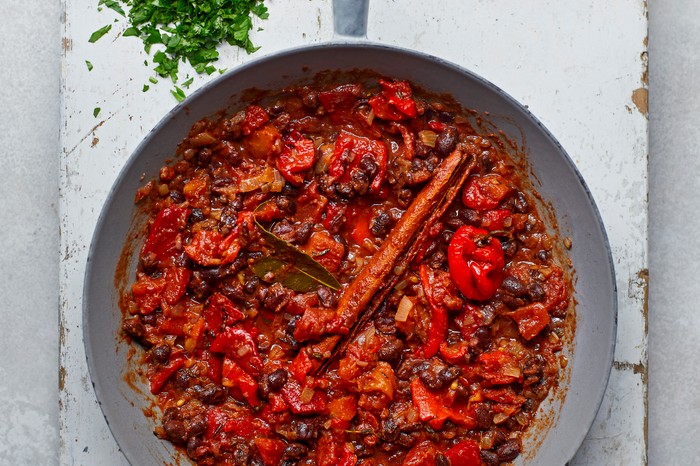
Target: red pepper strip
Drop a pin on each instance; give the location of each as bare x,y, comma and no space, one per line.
433,410
220,309
340,98
292,395
351,147
347,455
234,376
422,454
531,319
455,354
255,117
298,156
438,317
333,216
164,235
358,217
270,450
465,453
342,410
214,365
301,366
238,344
147,292
499,367
394,103
484,192
158,379
476,269
204,248
176,280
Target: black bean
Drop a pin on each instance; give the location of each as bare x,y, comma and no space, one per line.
344,189
277,295
175,430
277,379
508,451
295,451
305,430
380,224
150,319
196,215
450,373
134,327
204,156
303,232
177,197
286,204
197,425
521,203
326,297
251,283
489,458
182,378
446,236
390,430
513,286
359,182
431,379
161,353
441,460
211,394
369,166
405,197
241,454
193,444
483,417
446,140
536,291
390,350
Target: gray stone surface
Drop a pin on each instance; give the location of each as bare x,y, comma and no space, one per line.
29,118
674,255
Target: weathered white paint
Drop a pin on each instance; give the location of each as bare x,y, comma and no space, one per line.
574,64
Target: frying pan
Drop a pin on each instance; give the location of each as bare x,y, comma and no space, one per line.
564,419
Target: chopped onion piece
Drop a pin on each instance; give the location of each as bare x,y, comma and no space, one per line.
499,417
404,309
427,137
306,394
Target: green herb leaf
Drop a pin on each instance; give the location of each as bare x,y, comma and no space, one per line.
89,65
96,111
145,88
189,31
114,5
178,93
291,267
95,36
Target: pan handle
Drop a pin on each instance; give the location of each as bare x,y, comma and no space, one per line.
350,18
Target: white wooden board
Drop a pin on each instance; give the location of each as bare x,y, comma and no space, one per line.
579,66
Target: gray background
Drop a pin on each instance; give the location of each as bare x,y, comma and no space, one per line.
29,144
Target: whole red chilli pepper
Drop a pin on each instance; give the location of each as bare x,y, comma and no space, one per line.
476,262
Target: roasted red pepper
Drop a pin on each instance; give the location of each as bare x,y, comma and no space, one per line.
293,393
499,367
531,319
147,292
164,237
476,262
298,156
176,280
394,102
435,409
232,375
255,117
341,97
238,344
270,450
220,309
485,192
301,366
495,219
465,453
158,379
438,316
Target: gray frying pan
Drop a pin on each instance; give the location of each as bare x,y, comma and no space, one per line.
564,419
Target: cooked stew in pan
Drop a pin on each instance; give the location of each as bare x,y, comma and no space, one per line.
346,274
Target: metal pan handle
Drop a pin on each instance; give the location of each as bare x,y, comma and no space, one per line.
350,18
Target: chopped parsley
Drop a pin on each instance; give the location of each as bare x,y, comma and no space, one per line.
96,111
88,64
95,36
178,93
188,31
